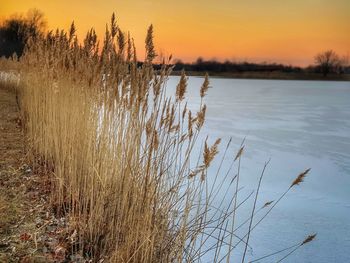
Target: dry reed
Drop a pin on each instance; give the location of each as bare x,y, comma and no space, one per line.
120,152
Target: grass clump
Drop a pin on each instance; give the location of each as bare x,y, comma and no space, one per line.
120,152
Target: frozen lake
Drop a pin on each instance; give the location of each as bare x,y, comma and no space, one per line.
298,124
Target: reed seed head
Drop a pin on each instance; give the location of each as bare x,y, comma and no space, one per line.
205,86
300,178
308,239
239,154
181,87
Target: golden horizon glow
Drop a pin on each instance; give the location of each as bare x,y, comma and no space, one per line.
289,32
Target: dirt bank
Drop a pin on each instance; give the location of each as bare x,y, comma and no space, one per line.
29,232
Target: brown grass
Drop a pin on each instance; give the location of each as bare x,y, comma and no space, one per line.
120,152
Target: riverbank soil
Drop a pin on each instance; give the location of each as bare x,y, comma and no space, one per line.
29,232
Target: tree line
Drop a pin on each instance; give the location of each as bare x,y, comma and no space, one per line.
325,63
229,66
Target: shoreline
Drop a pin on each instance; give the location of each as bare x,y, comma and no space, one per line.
267,75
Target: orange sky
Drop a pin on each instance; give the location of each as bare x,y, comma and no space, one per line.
288,31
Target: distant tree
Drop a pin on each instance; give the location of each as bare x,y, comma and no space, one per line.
327,62
199,60
344,64
16,30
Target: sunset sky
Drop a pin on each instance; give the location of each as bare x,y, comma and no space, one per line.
287,31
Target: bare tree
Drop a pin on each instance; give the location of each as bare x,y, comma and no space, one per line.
327,61
16,30
36,22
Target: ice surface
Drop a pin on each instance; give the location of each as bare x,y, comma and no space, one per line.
298,124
